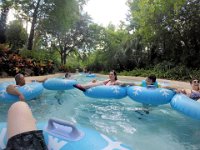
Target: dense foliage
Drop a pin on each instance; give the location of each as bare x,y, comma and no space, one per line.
16,35
160,37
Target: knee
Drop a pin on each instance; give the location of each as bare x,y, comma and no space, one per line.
18,107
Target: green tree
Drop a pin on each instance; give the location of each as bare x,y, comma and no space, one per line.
69,29
5,6
34,10
16,35
169,30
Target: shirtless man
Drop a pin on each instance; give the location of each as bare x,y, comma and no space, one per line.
20,81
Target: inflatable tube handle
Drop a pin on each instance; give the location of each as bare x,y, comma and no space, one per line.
64,130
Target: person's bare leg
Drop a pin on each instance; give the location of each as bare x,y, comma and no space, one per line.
87,86
91,84
20,119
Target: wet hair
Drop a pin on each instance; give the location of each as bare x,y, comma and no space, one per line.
152,78
66,74
193,80
115,74
17,78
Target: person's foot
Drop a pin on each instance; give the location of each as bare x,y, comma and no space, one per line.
146,111
78,86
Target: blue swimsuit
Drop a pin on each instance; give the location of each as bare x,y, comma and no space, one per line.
195,95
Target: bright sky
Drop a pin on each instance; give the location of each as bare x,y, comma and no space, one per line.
10,15
102,11
106,11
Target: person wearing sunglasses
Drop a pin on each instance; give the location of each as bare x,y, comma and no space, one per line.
194,92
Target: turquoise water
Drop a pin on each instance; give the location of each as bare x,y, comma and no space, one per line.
124,119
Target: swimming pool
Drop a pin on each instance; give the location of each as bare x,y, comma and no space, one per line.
161,129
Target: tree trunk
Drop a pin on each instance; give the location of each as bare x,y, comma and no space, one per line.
62,60
3,19
65,59
31,36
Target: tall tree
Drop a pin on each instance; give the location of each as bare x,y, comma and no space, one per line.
5,7
78,37
164,30
35,10
40,9
36,7
69,29
16,35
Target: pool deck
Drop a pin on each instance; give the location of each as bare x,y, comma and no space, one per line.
173,83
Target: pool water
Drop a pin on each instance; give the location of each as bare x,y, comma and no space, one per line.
161,129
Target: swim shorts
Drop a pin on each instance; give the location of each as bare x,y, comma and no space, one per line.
32,140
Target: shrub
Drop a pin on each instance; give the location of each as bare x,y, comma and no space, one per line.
175,73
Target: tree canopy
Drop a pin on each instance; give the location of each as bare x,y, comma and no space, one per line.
158,33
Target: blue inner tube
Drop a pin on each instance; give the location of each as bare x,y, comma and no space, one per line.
59,84
186,106
3,85
60,135
107,92
30,91
153,96
90,75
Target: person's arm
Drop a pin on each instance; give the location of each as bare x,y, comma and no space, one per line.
177,90
187,92
40,80
130,84
93,84
124,83
169,87
11,89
